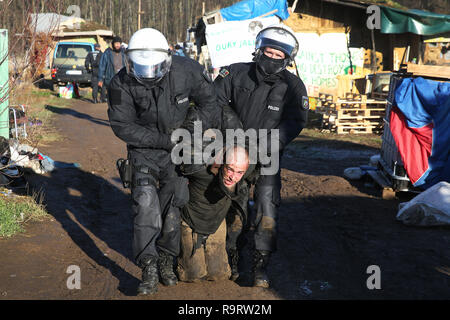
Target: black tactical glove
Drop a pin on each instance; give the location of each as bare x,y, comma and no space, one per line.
230,120
191,116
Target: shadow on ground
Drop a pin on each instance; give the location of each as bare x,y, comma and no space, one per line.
326,244
74,113
84,203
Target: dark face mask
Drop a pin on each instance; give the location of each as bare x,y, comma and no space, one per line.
270,66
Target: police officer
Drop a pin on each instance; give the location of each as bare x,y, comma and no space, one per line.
149,99
265,96
92,63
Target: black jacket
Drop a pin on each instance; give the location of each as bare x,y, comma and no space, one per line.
210,200
279,102
145,117
92,62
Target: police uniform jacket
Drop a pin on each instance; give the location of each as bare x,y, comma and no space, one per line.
144,117
276,102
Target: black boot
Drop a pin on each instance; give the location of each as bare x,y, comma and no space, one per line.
260,261
168,277
149,284
233,260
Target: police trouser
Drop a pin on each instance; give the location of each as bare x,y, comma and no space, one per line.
94,85
267,200
156,211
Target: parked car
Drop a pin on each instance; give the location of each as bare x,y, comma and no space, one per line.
68,63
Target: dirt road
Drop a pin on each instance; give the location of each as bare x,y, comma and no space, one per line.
330,230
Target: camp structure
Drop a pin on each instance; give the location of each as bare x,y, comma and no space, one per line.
47,29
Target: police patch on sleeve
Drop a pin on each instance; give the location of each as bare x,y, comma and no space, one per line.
305,103
224,72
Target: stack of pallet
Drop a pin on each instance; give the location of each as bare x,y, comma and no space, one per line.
353,114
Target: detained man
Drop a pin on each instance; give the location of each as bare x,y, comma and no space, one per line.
213,190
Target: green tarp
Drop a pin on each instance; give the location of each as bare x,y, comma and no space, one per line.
414,21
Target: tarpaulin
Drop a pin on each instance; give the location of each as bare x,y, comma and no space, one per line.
414,21
420,125
249,9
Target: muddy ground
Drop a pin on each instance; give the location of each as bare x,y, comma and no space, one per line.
330,229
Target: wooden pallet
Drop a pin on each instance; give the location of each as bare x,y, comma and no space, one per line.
331,120
429,71
380,95
375,113
353,121
323,106
353,129
354,114
355,97
327,97
368,104
351,101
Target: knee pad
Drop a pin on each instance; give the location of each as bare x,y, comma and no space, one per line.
146,208
145,196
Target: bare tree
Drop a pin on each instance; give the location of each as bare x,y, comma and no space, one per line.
27,49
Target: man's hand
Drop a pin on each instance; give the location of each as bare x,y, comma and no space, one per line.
100,84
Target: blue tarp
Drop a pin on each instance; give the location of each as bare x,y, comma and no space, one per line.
249,9
425,105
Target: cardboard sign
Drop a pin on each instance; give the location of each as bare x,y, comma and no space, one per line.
234,41
323,57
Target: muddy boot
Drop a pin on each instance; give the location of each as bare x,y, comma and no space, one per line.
168,277
261,259
233,259
149,284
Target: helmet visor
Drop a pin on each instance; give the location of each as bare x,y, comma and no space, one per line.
145,64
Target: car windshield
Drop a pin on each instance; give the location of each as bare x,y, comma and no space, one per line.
76,51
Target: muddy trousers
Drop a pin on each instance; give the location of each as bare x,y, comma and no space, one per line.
264,220
209,262
156,218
